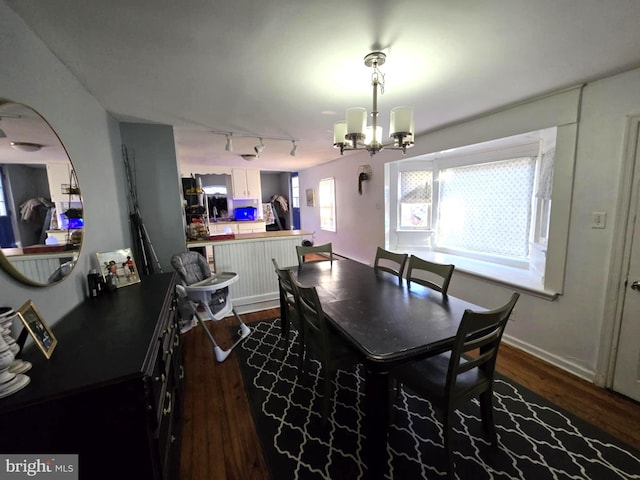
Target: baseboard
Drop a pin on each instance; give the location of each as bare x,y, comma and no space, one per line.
578,371
256,303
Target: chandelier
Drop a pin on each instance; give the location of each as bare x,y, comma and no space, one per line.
355,134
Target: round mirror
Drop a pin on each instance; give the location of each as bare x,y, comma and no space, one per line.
41,214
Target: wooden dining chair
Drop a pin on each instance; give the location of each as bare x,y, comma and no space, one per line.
390,262
429,274
321,340
452,379
290,315
322,253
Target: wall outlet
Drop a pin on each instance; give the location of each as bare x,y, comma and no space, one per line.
598,220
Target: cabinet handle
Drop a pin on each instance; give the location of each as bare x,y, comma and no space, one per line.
160,378
167,411
173,438
176,341
181,376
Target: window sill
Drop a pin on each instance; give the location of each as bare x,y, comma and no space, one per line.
520,279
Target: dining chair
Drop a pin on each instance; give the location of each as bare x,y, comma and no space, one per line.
290,315
429,274
321,340
451,379
390,262
323,253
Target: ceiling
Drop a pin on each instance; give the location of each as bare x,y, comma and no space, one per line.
290,68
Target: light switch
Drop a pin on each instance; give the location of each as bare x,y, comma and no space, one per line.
598,220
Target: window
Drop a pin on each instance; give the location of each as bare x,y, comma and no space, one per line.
415,199
327,199
295,192
485,208
3,203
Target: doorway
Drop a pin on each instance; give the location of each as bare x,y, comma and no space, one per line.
626,354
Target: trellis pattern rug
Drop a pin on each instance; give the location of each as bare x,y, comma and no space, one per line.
537,440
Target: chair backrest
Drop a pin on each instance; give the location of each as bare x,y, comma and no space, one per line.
434,275
480,331
312,316
390,262
283,278
192,267
325,253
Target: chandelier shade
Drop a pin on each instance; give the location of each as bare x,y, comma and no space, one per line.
355,134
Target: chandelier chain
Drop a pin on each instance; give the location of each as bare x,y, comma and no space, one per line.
377,78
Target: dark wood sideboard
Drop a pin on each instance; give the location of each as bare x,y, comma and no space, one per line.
112,390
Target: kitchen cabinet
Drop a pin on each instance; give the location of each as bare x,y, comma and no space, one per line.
245,183
237,227
112,390
61,179
251,227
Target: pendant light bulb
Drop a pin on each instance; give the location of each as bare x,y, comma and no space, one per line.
294,150
229,146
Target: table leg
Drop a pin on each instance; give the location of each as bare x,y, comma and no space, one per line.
376,423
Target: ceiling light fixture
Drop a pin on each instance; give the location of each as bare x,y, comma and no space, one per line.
355,134
259,148
26,146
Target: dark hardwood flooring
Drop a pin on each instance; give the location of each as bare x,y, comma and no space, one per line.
219,440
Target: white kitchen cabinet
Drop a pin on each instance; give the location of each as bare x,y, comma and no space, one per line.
237,227
251,227
245,183
223,227
59,175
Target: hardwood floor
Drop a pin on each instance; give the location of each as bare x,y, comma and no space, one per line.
218,434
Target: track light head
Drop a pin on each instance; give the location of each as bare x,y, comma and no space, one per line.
259,148
229,146
294,150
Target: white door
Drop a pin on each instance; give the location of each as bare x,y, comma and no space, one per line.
626,378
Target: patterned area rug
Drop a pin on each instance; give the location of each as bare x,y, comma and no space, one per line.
538,441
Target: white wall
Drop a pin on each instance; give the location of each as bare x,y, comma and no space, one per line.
33,76
566,331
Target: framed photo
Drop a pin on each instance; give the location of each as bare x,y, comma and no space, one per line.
37,328
311,200
119,266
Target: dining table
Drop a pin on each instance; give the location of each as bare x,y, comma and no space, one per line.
388,324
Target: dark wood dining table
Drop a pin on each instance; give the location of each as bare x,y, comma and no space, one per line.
389,325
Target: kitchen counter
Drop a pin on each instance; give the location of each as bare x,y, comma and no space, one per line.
247,236
249,255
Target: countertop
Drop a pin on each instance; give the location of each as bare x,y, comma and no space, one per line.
248,236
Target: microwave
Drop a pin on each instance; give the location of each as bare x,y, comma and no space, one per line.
245,213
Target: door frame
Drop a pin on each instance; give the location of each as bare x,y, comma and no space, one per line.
620,255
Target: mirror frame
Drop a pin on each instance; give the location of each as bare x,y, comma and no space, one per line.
5,263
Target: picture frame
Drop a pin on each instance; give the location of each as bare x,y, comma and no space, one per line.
38,329
120,266
311,199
